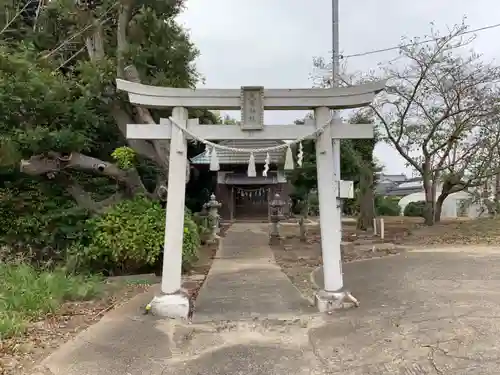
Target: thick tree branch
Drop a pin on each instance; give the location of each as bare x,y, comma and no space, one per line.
124,16
95,49
162,148
85,200
142,147
130,73
53,162
157,151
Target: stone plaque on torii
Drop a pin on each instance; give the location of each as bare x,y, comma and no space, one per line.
252,101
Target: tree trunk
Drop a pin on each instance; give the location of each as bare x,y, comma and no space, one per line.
439,206
497,188
303,229
302,221
429,190
366,202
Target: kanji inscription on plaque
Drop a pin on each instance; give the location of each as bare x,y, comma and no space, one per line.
252,108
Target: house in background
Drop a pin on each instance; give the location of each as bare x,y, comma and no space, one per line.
386,182
460,204
244,197
397,185
407,187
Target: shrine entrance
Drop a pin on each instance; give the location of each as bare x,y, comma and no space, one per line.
252,101
251,201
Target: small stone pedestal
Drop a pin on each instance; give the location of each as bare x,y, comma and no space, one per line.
331,301
176,305
275,217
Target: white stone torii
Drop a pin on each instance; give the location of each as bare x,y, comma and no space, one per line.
252,101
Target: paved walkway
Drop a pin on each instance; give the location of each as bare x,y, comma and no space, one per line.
423,313
245,282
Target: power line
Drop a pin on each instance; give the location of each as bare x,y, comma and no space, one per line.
412,44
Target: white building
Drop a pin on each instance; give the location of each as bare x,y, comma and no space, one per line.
455,205
461,204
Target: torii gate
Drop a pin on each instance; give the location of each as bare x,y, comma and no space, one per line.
252,101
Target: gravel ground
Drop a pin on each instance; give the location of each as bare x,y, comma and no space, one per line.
298,259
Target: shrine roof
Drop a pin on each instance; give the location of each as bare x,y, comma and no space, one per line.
228,157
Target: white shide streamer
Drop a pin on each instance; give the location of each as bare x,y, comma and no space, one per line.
289,164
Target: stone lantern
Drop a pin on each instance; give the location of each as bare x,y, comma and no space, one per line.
213,216
277,206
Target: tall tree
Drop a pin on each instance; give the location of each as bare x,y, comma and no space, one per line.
356,164
62,117
360,153
441,114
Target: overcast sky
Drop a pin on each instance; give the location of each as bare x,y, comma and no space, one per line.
272,43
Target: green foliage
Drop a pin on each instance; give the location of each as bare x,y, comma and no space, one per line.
129,236
190,242
37,219
28,294
54,98
124,157
57,99
161,49
415,209
304,179
356,159
202,223
313,204
42,110
387,206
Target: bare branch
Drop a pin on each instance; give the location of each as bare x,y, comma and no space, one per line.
396,144
11,21
440,112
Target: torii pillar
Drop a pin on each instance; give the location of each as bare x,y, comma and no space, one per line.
252,101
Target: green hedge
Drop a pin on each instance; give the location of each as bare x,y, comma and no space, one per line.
130,236
387,206
415,209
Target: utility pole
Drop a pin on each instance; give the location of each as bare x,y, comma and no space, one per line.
335,80
336,118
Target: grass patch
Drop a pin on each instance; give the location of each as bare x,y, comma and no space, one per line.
28,294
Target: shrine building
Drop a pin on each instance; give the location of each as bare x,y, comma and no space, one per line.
245,197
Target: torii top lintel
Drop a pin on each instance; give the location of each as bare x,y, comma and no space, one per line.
230,99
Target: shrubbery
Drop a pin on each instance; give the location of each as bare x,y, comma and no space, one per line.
37,221
313,204
387,206
203,225
307,202
191,240
415,209
128,237
42,225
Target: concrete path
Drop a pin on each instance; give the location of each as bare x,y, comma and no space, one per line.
423,313
429,311
245,282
